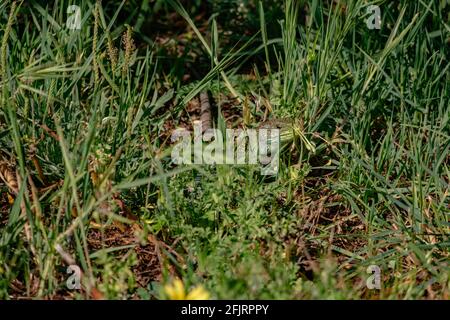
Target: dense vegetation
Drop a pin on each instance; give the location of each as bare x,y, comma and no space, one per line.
87,177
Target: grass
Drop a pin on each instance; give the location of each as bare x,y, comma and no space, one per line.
87,178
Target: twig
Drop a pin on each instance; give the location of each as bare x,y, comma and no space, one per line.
205,115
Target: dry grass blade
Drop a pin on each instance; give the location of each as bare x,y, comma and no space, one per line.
8,175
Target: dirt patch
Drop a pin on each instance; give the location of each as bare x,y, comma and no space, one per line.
327,227
4,208
148,267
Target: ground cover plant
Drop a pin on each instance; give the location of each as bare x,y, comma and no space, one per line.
93,206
